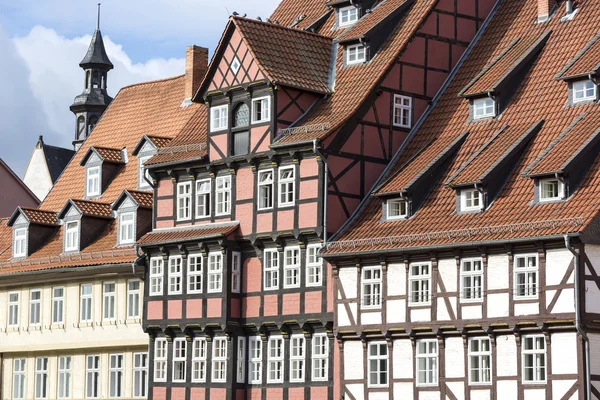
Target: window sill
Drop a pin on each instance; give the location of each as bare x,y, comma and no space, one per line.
12,329
33,328
287,205
57,326
85,324
371,308
427,385
419,305
471,301
133,321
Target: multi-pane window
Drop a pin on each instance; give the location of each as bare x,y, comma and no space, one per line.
291,267
64,377
41,378
236,269
255,360
20,243
215,272
371,287
108,301
223,193
551,190
143,175
203,198
584,91
297,358
420,283
534,359
175,274
378,364
179,357
427,362
484,108
93,181
35,306
115,375
471,272
402,111
314,266
287,186
470,200
140,375
92,377
85,303
526,276
184,201
265,189
480,357
160,360
261,109
347,16
219,360
396,209
320,357
18,382
356,54
241,360
194,274
271,269
72,236
58,305
133,298
199,360
218,118
275,360
13,309
156,276
126,228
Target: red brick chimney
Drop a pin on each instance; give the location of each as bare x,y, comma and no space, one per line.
196,65
545,7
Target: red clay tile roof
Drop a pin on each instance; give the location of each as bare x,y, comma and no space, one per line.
110,155
289,10
93,208
144,199
159,141
585,62
40,217
377,15
185,234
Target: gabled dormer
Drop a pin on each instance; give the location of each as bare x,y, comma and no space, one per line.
349,12
133,212
146,148
83,222
581,74
101,164
31,229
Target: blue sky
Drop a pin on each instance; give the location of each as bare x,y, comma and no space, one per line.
42,42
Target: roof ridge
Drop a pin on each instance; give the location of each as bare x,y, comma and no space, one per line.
90,201
237,18
172,78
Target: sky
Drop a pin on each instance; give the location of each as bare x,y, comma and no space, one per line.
43,41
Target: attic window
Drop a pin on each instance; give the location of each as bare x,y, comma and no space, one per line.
470,200
72,236
127,228
396,209
551,190
347,16
356,54
235,65
20,243
402,111
93,182
484,108
584,91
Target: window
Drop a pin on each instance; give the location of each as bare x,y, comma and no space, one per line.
584,91
115,375
470,200
58,305
35,307
13,309
265,190
534,359
420,283
320,357
236,267
241,143
287,186
126,228
140,375
72,236
261,111
275,360
64,377
160,360
471,271
314,262
291,267
92,377
184,201
18,383
219,360
133,298
241,360
427,362
255,361
371,287
93,181
235,65
348,16
179,357
526,276
215,272
402,111
271,268
41,378
218,118
378,364
551,190
483,108
195,274
297,358
223,195
203,198
396,209
20,243
156,276
356,54
199,360
175,276
480,357
241,116
85,303
108,301
143,175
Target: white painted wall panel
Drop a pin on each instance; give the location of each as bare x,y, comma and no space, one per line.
420,315
403,390
594,353
534,394
564,353
480,394
429,395
343,319
497,271
592,298
455,357
507,357
560,387
442,310
593,253
507,390
353,360
396,276
457,389
448,271
379,396
566,302
356,390
396,311
348,281
37,177
557,263
403,359
471,312
370,318
497,305
527,309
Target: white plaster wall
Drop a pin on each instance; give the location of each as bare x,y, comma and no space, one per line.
429,395
592,293
457,389
471,312
560,387
443,313
507,389
527,309
403,390
480,394
356,390
348,281
420,315
564,353
379,396
403,359
534,394
565,302
396,277
594,353
506,356
396,311
557,263
455,360
343,319
448,271
497,272
497,305
370,318
353,360
37,177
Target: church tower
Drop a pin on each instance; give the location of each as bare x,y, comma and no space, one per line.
91,103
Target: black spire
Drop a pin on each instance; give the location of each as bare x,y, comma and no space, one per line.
96,56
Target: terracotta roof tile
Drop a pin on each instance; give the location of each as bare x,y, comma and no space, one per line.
196,233
93,208
585,62
377,15
288,10
144,199
40,217
159,141
110,155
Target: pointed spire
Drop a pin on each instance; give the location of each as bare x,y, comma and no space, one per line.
96,56
98,23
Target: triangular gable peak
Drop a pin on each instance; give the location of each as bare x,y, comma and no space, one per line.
133,198
103,154
85,208
24,215
149,144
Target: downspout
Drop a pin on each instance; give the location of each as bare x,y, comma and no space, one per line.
137,261
578,326
325,183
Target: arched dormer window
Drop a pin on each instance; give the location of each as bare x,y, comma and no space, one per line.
241,116
240,132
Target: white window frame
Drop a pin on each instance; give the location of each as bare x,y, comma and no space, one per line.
143,173
297,358
72,236
377,358
371,296
93,385
127,228
352,16
471,195
109,301
275,359
292,267
528,271
356,54
116,375
35,308
20,243
140,375
184,201
241,360
219,360
266,189
13,316
580,91
18,378
41,378
203,195
538,356
403,106
265,109
65,368
58,305
133,298
160,360
483,369
287,187
423,280
255,352
157,275
271,269
179,359
320,357
431,359
175,275
401,203
195,270
470,291
86,303
92,185
482,106
542,192
219,118
199,360
314,266
236,272
215,272
223,194
235,65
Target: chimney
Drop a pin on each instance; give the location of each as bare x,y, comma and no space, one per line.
196,65
545,8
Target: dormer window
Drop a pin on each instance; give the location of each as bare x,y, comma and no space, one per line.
356,54
72,236
584,91
127,228
484,108
93,182
20,243
218,118
551,190
261,110
347,16
471,200
397,209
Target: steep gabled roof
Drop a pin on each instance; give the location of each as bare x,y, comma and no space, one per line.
382,13
301,14
586,62
34,216
57,160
